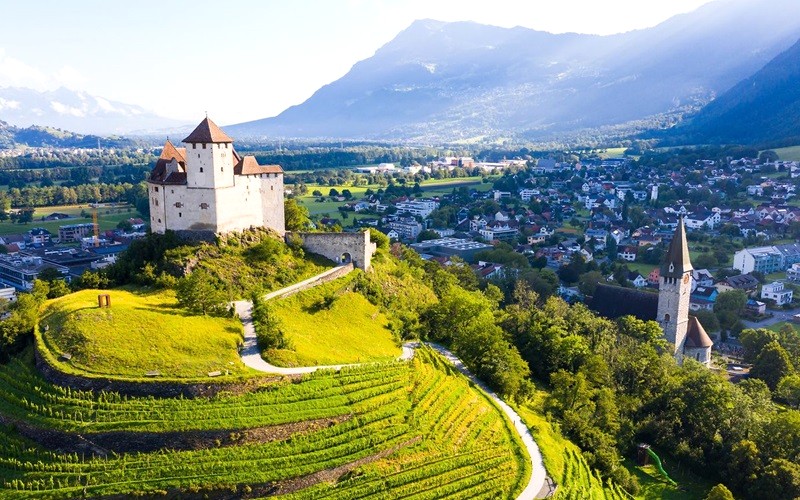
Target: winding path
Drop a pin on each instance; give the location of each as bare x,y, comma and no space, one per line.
251,356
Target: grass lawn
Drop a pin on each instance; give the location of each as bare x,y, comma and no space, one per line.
141,332
789,154
107,218
690,486
777,326
641,268
779,276
347,330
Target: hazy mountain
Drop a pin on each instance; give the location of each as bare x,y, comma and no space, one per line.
78,111
35,136
448,79
762,108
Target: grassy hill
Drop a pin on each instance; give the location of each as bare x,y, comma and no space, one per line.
141,332
331,324
394,430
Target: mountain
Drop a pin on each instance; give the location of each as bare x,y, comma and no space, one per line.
760,109
78,111
35,136
446,80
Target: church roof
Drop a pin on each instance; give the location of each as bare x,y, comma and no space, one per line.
207,132
696,335
677,262
615,301
248,165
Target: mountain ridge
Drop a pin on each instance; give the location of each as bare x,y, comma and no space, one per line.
436,79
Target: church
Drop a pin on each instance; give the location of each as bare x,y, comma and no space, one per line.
670,307
207,188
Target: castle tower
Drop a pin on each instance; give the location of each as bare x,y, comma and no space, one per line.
209,157
675,286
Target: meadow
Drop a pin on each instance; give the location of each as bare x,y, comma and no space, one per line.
331,324
107,218
142,331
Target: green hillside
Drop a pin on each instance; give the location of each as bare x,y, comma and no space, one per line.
331,324
142,331
392,430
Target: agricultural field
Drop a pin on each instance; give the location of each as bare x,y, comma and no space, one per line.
143,331
107,218
789,154
431,187
330,324
381,430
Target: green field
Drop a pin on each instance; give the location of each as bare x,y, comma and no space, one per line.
431,187
141,332
331,325
789,154
107,218
394,430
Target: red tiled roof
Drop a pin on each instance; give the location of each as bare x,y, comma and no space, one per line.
170,151
696,335
248,165
168,154
207,132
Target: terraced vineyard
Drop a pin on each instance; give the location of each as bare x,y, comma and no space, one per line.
415,429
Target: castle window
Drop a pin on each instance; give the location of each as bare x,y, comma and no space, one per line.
172,191
159,220
204,206
178,204
221,169
204,145
180,214
156,188
272,188
666,318
201,170
194,146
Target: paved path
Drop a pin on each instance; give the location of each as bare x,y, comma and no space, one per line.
251,356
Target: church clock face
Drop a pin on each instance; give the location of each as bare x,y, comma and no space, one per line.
686,279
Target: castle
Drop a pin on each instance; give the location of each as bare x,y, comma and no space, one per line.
207,188
670,307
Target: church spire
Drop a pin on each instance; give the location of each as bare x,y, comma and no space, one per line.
676,262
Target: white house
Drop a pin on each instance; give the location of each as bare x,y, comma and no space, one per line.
777,292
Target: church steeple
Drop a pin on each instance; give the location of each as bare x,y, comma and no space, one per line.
676,262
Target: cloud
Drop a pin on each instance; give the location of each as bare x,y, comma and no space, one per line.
16,73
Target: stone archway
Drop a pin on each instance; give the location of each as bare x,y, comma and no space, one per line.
346,258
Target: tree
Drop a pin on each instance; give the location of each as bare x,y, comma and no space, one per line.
348,195
753,341
788,390
587,283
269,331
781,479
125,225
720,492
333,192
295,215
427,234
708,319
199,293
772,364
729,307
380,239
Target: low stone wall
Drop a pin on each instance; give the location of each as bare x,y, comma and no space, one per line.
155,388
327,276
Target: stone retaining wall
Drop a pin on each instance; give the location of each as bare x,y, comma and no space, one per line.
322,278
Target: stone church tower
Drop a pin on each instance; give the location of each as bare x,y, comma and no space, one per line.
674,291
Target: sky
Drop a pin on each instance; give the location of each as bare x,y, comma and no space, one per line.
242,60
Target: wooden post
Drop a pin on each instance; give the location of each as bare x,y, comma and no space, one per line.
104,300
